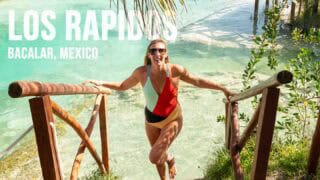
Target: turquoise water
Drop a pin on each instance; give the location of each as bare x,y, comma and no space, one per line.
213,42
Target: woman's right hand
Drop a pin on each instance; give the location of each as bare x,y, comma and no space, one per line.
94,82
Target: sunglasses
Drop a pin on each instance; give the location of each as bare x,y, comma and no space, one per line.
153,51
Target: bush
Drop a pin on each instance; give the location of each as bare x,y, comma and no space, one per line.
98,175
219,168
286,161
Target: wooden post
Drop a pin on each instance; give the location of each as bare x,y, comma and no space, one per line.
103,115
227,124
255,16
315,7
293,10
42,116
251,125
235,136
265,10
315,149
267,117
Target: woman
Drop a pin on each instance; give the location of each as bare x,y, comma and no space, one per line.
159,79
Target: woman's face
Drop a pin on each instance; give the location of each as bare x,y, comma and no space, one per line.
157,53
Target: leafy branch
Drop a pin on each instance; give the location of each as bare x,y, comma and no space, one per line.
265,44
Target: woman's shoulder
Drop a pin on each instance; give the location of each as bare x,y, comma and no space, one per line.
140,70
177,69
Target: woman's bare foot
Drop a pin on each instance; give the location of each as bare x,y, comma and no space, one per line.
172,167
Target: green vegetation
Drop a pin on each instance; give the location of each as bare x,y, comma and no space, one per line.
300,109
286,161
299,105
97,175
265,44
307,17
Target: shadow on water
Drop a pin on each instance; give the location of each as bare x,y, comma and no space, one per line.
237,21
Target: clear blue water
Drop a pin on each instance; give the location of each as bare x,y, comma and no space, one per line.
213,42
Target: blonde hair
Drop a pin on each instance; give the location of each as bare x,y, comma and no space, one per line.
147,60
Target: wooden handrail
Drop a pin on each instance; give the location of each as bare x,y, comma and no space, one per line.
251,125
35,88
264,116
82,146
57,110
42,110
277,79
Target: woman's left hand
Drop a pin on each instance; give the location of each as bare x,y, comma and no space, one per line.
228,93
94,82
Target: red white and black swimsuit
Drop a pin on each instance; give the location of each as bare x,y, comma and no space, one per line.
164,107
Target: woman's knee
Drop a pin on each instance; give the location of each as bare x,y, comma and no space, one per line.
156,157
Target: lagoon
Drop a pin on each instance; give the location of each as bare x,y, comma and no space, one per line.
213,41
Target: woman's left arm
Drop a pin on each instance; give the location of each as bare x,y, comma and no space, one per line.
201,82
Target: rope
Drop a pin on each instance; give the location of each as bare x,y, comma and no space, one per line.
3,153
56,147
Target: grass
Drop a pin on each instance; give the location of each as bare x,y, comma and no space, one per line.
20,161
286,161
97,175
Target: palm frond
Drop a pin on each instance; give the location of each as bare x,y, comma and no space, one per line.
161,10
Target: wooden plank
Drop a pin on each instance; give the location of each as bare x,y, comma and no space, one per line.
252,124
42,116
57,110
315,149
35,88
235,134
267,117
103,115
227,125
82,146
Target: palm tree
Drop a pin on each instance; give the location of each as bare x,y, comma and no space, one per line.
152,13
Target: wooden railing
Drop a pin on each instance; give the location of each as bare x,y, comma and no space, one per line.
43,107
315,149
264,116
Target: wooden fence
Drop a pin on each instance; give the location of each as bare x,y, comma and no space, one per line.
42,110
263,117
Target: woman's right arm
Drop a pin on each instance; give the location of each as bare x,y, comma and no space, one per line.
131,81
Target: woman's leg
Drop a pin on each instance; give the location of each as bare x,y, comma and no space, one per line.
158,154
153,133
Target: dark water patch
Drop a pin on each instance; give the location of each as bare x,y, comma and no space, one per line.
188,92
139,105
216,73
123,95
